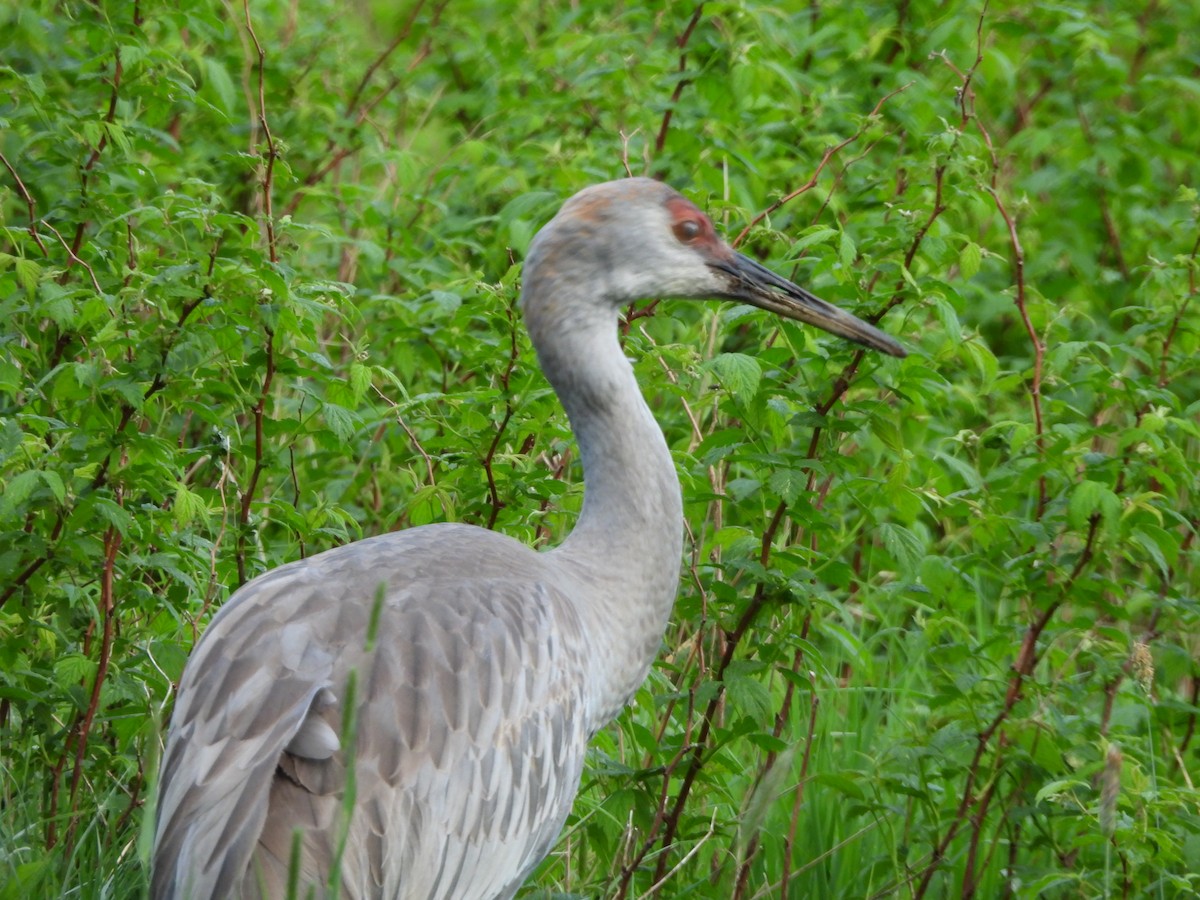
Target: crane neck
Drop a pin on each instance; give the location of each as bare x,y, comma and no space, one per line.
623,556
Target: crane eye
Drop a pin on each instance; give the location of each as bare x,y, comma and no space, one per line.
688,230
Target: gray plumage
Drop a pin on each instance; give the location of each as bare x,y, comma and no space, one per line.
472,670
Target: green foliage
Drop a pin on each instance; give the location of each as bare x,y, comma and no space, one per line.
938,630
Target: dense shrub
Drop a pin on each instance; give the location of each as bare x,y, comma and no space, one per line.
939,625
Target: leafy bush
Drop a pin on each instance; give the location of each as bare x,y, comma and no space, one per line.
938,627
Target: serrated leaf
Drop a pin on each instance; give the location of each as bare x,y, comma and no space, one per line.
739,374
114,514
985,362
216,76
169,657
749,697
18,490
340,421
1159,546
28,273
788,483
188,505
117,135
741,488
1088,499
816,236
937,574
86,373
906,548
948,316
56,305
847,250
720,444
73,668
969,260
446,303
360,381
54,482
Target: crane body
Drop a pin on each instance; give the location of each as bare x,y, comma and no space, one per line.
406,716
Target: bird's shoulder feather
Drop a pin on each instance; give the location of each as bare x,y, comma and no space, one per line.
443,662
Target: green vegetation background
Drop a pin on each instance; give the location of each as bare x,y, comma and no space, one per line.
939,626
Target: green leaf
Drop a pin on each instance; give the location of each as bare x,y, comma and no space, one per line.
54,482
17,491
788,483
948,317
749,696
740,374
985,363
817,235
29,273
1091,498
847,251
216,77
74,668
360,381
113,514
188,506
57,304
1159,545
905,547
1053,790
340,420
969,260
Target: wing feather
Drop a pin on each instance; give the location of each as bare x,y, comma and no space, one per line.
469,726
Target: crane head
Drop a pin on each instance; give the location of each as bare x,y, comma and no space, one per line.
638,238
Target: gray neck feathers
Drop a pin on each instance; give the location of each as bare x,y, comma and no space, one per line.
622,559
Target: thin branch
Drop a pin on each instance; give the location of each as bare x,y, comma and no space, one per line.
86,170
1039,350
625,138
966,100
72,256
829,154
429,470
259,413
798,801
29,205
489,457
1023,666
712,827
1179,313
1110,224
357,111
733,639
127,411
681,42
732,642
272,150
112,544
379,60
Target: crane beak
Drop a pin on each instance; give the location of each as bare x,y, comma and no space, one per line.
751,283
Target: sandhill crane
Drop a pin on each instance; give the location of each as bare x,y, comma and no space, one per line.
406,716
